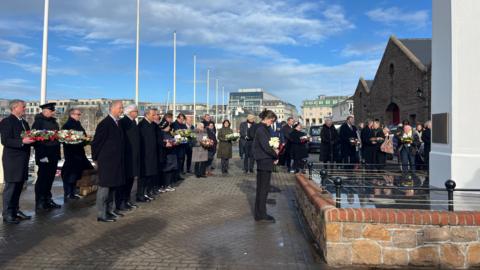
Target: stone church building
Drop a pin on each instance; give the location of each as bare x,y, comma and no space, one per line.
401,88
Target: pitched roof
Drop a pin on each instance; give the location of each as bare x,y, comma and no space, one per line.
421,48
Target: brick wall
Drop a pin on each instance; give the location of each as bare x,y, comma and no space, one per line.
389,237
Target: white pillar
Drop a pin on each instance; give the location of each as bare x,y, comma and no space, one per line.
216,101
455,58
208,91
43,85
223,103
137,52
194,90
174,74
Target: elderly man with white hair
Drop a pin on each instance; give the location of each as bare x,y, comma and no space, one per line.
132,158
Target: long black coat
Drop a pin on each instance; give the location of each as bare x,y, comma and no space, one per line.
181,149
427,140
15,154
299,149
75,159
329,143
345,134
148,148
108,151
132,147
49,149
168,155
263,153
211,135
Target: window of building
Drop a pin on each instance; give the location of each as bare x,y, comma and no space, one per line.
391,70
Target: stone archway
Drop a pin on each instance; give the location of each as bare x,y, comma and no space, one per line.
392,114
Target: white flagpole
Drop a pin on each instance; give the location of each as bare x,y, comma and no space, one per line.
43,85
137,52
216,101
223,102
194,90
174,74
168,100
208,91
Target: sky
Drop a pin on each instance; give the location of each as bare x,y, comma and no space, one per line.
294,49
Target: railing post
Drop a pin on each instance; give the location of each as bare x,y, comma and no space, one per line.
450,185
323,175
338,190
310,170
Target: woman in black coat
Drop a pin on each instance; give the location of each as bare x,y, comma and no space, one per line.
265,155
212,150
167,157
75,159
299,150
329,142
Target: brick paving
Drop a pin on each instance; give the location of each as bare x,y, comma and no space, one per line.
205,224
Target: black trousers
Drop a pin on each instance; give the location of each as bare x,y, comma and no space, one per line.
298,164
241,149
104,203
263,186
122,194
224,163
167,178
145,185
248,160
45,177
11,198
70,184
200,168
188,153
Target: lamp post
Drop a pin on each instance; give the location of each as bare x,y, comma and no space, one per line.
137,52
174,74
194,90
43,84
208,91
216,101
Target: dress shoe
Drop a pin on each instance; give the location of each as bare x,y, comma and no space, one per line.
112,215
180,178
148,198
52,204
132,205
42,207
22,216
267,219
142,199
11,220
106,220
118,213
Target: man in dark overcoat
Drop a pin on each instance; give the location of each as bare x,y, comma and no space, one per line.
348,131
47,155
180,149
16,154
148,156
248,134
285,138
108,151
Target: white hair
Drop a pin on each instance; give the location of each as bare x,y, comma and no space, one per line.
14,103
130,108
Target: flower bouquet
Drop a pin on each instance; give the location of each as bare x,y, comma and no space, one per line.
304,139
179,139
354,141
185,133
408,140
40,135
69,136
232,137
206,143
274,142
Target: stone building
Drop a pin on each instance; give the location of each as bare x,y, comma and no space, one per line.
314,111
401,88
342,110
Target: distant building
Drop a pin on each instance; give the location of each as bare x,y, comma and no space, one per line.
401,89
314,111
4,107
342,110
282,109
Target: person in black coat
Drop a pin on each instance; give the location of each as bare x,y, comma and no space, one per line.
377,137
427,143
247,132
179,124
369,148
347,133
285,139
131,134
75,159
148,156
167,157
47,155
16,154
108,151
265,156
189,146
329,140
299,150
212,150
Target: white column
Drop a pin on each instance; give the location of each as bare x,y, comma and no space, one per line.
174,74
455,58
194,90
208,91
43,85
137,52
216,101
223,103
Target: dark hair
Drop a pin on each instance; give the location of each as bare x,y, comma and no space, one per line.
163,124
181,115
349,117
295,125
406,122
289,118
267,114
226,120
167,115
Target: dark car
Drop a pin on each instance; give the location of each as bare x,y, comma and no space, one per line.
314,144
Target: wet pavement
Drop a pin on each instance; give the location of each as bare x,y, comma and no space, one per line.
205,224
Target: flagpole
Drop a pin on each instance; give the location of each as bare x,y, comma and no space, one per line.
175,74
208,91
137,52
223,102
216,101
194,90
43,85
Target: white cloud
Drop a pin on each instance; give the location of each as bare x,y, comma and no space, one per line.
78,49
33,68
12,50
362,50
395,15
18,88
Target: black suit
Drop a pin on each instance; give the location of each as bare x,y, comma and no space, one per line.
427,141
46,169
349,151
180,149
132,160
149,157
188,151
248,133
285,135
108,151
265,156
15,162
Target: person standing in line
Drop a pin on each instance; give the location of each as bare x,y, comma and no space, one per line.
377,137
188,148
408,143
109,154
179,124
148,156
265,156
299,147
200,154
329,140
167,157
224,146
212,150
75,158
131,134
348,136
247,129
47,155
368,146
286,130
16,154
427,141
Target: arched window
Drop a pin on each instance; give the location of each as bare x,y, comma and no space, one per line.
391,70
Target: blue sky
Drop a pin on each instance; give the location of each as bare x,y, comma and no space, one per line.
294,49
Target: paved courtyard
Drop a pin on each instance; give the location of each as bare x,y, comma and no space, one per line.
205,224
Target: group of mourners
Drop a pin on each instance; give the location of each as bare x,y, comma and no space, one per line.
372,142
123,151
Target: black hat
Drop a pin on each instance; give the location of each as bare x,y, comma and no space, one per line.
163,124
50,106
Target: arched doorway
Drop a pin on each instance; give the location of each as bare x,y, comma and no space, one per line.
392,114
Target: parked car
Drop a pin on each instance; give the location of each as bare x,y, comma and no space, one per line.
314,144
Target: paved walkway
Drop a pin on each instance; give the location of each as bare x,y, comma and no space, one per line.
205,224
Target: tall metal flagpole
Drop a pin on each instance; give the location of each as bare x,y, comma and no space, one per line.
43,85
175,74
216,101
223,102
208,91
194,90
137,52
168,101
